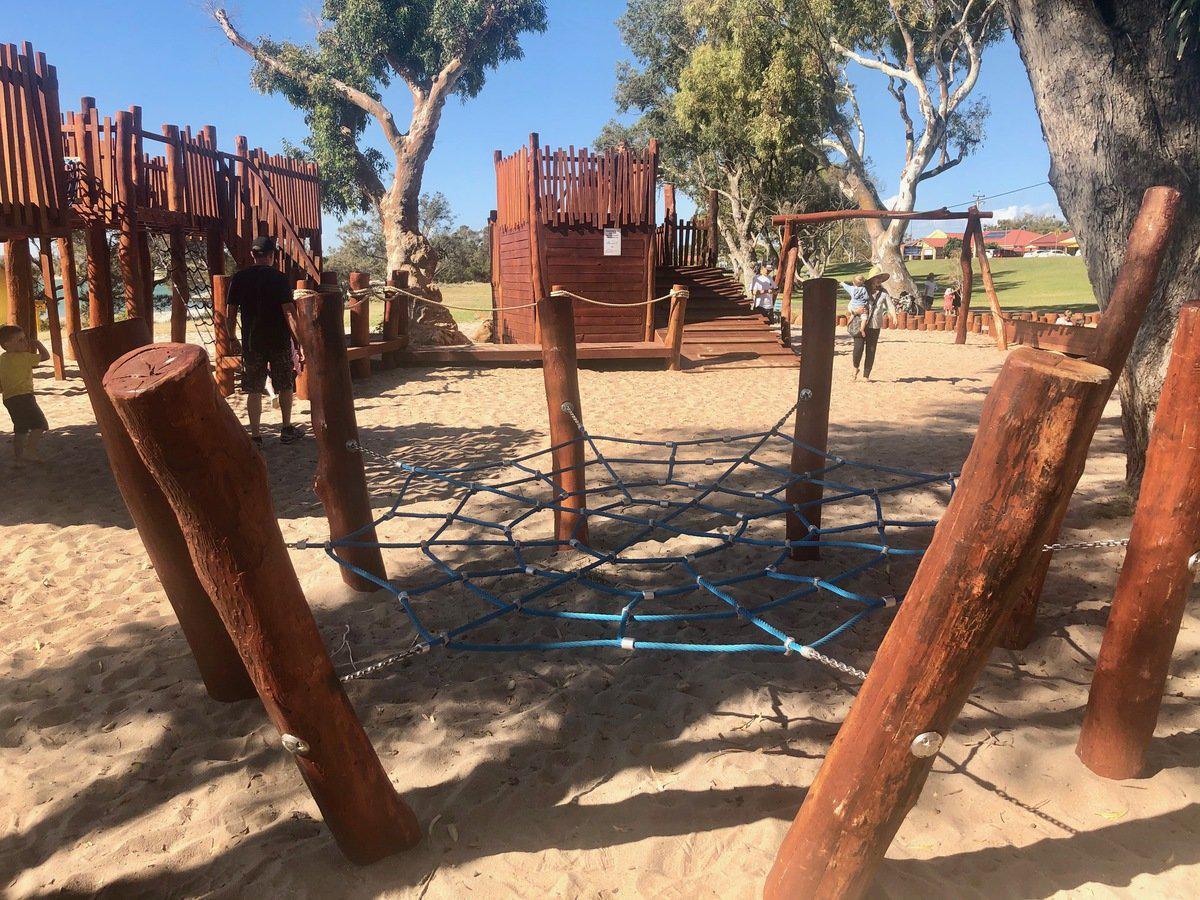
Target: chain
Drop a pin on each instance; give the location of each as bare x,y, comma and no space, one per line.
1086,545
386,663
817,656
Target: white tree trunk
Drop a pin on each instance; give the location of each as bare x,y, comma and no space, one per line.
1120,114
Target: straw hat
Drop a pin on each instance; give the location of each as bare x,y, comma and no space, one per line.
876,280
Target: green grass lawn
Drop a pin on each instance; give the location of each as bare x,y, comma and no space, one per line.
474,294
1050,283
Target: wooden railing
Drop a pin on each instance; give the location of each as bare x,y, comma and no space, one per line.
612,189
684,243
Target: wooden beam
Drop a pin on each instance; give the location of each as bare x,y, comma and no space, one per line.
560,371
837,215
66,266
50,298
360,322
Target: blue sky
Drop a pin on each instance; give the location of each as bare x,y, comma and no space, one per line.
170,58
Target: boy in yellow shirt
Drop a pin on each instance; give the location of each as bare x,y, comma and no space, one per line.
16,384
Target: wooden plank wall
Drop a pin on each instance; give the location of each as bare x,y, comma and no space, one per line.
516,327
575,259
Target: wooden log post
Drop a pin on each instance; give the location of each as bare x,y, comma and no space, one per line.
341,480
560,371
99,276
360,321
395,317
1029,451
968,278
1152,591
989,286
18,280
216,484
128,257
675,323
50,298
714,231
220,666
225,360
788,252
1131,294
66,267
819,299
180,290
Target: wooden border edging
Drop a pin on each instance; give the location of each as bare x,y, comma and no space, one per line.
1029,451
1119,325
1155,581
220,667
216,483
341,481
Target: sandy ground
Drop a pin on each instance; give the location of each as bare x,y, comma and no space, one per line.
586,774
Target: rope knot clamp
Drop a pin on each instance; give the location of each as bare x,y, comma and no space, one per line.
628,643
709,461
294,745
647,595
808,652
889,600
301,544
772,569
529,570
789,647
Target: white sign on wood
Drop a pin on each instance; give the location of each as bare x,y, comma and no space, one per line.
612,241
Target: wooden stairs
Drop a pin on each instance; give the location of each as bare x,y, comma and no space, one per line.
720,330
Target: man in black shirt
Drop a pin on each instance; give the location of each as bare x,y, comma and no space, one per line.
262,295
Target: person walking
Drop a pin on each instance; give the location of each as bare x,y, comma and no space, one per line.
763,289
879,310
929,290
262,296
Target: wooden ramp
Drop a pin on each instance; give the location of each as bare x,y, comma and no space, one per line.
721,330
528,354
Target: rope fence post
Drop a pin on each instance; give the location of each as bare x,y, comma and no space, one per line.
1029,451
1155,580
819,312
1131,295
220,666
216,483
560,371
341,481
360,322
675,322
395,316
225,360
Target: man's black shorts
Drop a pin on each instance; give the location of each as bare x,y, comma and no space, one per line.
26,415
256,365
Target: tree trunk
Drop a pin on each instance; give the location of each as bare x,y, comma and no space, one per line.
887,256
1119,114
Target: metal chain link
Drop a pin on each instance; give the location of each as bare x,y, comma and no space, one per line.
386,663
1086,545
817,656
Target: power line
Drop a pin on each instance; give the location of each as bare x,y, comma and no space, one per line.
977,199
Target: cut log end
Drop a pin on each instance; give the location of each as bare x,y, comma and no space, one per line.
145,368
1044,361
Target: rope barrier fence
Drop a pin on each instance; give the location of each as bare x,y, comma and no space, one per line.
385,291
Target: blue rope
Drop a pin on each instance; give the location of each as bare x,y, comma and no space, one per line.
640,504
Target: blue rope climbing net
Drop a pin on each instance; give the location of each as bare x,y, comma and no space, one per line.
681,535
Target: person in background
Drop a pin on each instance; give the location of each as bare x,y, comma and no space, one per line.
951,301
17,362
262,295
880,309
763,289
1064,318
860,299
929,290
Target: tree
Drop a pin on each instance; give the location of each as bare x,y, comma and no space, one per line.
1041,223
698,83
1118,93
437,48
360,248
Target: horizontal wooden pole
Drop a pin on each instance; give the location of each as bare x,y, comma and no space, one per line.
837,215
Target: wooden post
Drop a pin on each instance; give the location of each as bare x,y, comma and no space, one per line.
99,276
395,317
216,483
560,371
670,221
128,258
789,252
989,287
675,323
1152,591
146,269
180,290
220,666
1028,452
537,275
714,233
819,298
341,481
1134,288
224,358
50,297
360,322
18,277
66,267
968,278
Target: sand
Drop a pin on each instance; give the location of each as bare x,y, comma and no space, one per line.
589,774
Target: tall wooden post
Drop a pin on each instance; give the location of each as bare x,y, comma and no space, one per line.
66,267
537,274
217,659
670,222
224,358
819,298
1029,451
968,278
675,323
50,297
128,258
1152,592
341,482
560,371
216,483
18,279
146,269
395,317
1132,292
360,322
714,231
989,287
789,253
180,290
99,276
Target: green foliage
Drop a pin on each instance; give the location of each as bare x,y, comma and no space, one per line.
463,255
1034,222
1183,24
366,44
360,248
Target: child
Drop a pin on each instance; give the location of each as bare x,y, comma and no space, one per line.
860,298
16,384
